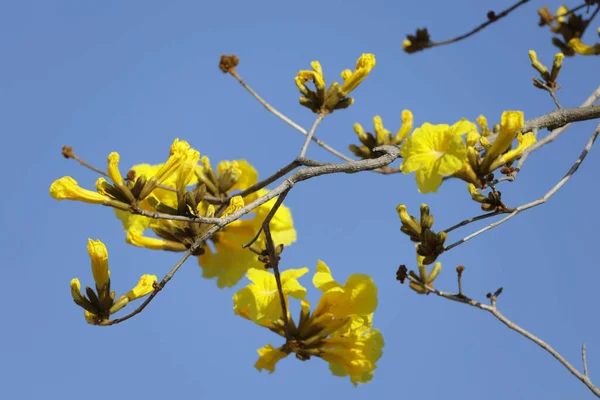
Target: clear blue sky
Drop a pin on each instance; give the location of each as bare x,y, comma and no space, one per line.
131,76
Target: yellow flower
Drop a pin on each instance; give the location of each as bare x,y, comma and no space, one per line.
144,287
512,122
354,354
225,260
483,125
186,171
260,300
560,14
357,296
407,124
113,168
581,48
66,188
99,256
139,240
76,291
364,65
99,305
338,331
523,142
434,151
268,357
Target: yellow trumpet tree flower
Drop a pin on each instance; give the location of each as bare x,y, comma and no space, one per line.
66,188
339,330
100,304
224,258
325,100
435,151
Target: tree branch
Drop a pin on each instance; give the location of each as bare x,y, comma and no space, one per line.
285,119
492,17
492,309
310,134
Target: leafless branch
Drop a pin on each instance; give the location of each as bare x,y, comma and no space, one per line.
157,288
310,134
492,309
281,116
473,219
492,17
274,261
584,359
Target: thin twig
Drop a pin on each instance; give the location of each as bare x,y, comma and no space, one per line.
285,119
490,21
311,134
471,220
274,261
158,287
459,298
584,359
550,90
541,200
265,182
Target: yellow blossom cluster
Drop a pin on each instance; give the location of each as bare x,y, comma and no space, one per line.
435,152
187,185
570,26
325,100
98,305
339,330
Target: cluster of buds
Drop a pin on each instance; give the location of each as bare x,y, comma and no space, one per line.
479,166
381,137
102,302
571,26
431,244
549,77
324,100
491,202
417,42
264,256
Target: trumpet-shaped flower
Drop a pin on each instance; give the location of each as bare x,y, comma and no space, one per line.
511,123
584,49
113,168
260,300
66,188
435,151
100,304
364,65
339,330
99,256
358,295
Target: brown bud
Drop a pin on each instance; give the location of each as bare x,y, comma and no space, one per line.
491,15
67,152
131,175
401,273
460,269
228,63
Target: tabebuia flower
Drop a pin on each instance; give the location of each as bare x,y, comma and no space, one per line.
184,192
101,303
434,152
325,99
339,330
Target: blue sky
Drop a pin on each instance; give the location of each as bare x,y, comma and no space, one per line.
132,76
